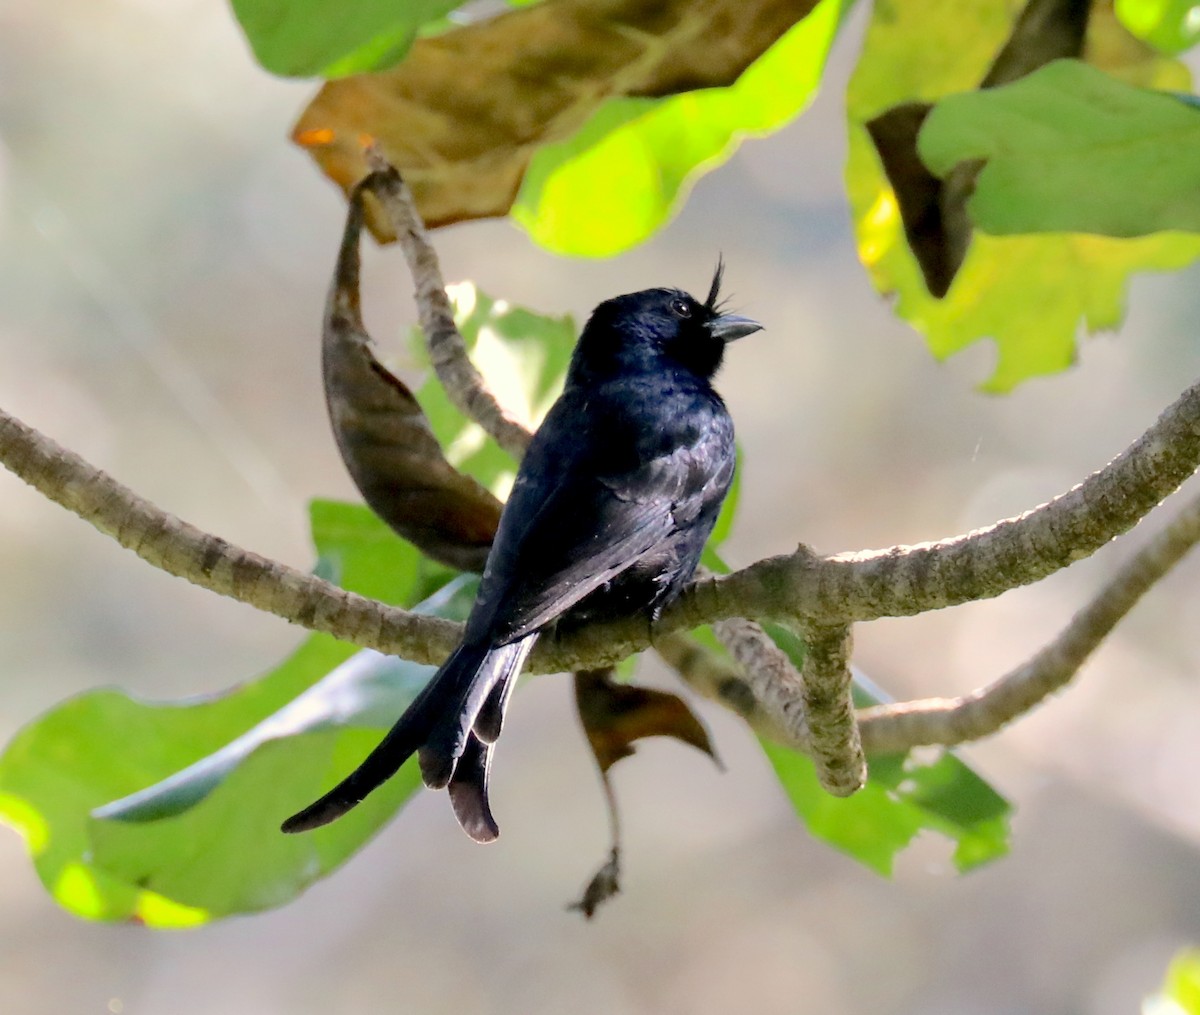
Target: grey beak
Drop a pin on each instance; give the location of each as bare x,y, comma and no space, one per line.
729,327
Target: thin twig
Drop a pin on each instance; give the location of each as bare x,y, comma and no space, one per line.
447,350
951,721
776,684
748,687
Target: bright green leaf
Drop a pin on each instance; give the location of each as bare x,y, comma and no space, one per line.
1070,149
622,176
226,855
869,825
904,794
1030,294
1171,26
234,759
104,745
524,357
368,689
1181,992
901,798
357,551
331,38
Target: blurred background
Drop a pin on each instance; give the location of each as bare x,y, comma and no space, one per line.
164,256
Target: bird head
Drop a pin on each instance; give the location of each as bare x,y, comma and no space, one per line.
644,329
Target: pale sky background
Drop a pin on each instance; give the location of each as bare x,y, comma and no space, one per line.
164,256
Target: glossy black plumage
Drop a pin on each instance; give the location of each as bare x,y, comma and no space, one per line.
611,507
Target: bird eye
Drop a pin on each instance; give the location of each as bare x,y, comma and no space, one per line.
680,308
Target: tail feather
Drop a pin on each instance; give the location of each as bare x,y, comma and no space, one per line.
436,725
490,720
412,729
469,791
468,785
447,740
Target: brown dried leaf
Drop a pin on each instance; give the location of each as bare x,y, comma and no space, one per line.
464,112
615,715
385,438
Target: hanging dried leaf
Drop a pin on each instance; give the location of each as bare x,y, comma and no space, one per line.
614,716
464,112
385,438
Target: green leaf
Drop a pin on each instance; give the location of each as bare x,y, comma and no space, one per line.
901,798
357,551
1170,26
1028,293
1070,149
332,38
1181,991
623,175
189,786
869,826
523,355
904,794
226,854
104,745
368,689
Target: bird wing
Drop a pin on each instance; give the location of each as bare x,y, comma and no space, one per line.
580,535
575,521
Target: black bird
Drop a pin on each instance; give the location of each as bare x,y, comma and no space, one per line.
612,505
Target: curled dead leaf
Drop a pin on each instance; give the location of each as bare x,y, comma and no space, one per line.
615,716
384,437
604,884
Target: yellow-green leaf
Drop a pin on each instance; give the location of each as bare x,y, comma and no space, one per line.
624,174
1029,294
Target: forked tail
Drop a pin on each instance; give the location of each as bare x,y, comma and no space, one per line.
451,724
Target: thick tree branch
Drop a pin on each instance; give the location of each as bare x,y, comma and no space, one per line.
212,563
951,721
208,561
905,580
178,548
